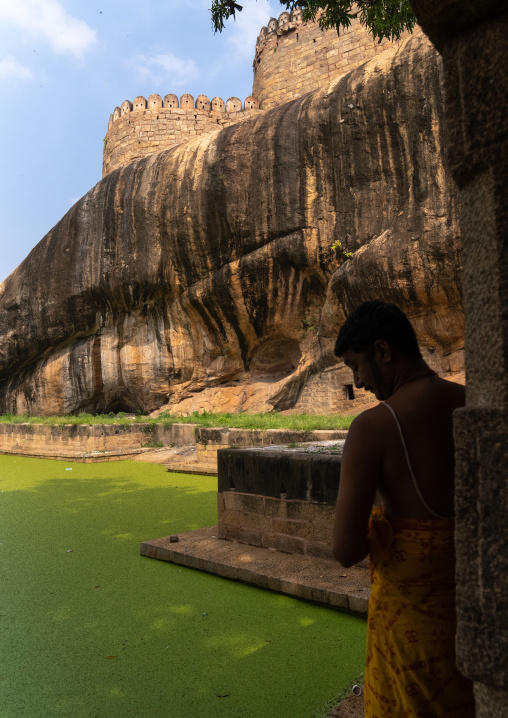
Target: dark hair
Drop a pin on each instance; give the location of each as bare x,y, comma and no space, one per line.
377,320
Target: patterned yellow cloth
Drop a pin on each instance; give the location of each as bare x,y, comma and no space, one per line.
410,667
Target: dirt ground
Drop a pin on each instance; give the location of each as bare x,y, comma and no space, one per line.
352,707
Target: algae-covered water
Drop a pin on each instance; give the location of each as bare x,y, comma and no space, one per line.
90,629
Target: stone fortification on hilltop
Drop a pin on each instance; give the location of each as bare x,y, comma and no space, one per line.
140,128
292,57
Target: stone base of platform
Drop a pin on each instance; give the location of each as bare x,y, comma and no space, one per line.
312,579
192,468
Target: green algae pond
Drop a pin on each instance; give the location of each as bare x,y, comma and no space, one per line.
90,629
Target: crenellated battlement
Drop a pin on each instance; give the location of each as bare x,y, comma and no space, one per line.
292,57
143,127
277,27
186,102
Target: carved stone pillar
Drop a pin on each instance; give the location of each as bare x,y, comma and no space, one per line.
472,37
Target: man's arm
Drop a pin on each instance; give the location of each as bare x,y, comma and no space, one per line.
359,477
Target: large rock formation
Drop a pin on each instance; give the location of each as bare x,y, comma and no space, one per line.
204,276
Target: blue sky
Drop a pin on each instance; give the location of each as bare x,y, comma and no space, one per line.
65,65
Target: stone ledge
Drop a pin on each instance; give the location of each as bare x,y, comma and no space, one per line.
80,457
318,580
192,467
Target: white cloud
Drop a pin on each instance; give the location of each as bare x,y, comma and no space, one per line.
49,20
11,69
166,68
244,30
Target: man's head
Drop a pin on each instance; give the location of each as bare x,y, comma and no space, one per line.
375,341
377,320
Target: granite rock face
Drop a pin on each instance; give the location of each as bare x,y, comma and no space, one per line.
204,277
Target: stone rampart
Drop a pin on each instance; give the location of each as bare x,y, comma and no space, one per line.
292,58
143,127
295,57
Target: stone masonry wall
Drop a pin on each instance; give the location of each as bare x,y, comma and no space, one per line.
299,527
332,391
28,438
117,437
144,127
280,497
293,58
210,440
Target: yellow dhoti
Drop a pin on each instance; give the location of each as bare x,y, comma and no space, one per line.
410,666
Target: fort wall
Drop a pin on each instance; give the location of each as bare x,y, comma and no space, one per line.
140,128
292,58
295,57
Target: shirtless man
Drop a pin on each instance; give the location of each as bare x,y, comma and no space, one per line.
403,451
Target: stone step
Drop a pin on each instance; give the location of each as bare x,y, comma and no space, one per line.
318,580
208,468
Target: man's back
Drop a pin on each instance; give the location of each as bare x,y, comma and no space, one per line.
424,410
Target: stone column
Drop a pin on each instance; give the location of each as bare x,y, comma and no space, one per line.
472,37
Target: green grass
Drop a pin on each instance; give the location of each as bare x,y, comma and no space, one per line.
121,418
273,420
90,629
305,422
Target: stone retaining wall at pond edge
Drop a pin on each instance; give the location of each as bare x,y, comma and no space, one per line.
85,438
105,441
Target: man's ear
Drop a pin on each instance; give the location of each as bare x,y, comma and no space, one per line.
383,350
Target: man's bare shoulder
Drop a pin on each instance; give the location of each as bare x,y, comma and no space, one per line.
457,386
454,391
369,420
366,438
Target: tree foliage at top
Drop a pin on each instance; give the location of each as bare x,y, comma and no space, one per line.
383,18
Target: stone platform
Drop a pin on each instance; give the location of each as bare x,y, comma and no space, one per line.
192,467
202,457
318,580
186,460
